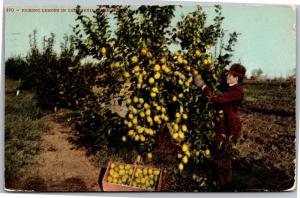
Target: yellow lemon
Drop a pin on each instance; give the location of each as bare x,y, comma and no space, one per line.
136,137
135,99
174,98
134,111
148,112
126,74
155,89
175,127
185,159
180,82
184,128
151,80
141,130
144,51
177,115
141,100
131,132
157,75
156,172
197,53
208,46
185,62
146,106
184,148
134,121
156,118
180,95
128,101
167,70
142,138
158,108
185,116
149,119
207,152
136,69
181,135
180,60
156,67
205,61
149,155
163,60
175,135
130,116
142,114
124,139
180,166
139,85
129,124
153,94
134,59
103,50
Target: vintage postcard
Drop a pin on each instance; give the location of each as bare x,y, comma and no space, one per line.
150,98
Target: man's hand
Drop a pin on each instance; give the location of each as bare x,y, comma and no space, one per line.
199,81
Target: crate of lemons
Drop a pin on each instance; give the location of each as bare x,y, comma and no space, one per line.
131,177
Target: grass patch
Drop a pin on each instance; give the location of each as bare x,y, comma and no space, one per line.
23,131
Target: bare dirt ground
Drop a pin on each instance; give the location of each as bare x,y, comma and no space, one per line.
60,167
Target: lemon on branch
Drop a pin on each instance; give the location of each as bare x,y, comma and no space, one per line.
185,159
174,98
129,124
197,53
146,106
153,94
128,101
103,50
126,74
144,52
131,132
181,135
185,116
134,59
130,116
136,138
175,135
142,138
155,89
185,148
141,100
149,155
124,139
163,60
184,128
151,80
157,67
142,114
157,75
136,69
180,166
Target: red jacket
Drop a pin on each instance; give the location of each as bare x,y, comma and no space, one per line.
229,102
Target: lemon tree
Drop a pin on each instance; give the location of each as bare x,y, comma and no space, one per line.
137,68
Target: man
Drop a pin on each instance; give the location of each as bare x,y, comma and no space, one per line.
228,129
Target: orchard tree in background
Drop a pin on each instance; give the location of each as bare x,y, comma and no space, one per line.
152,85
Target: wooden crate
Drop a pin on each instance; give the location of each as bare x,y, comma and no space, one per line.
112,187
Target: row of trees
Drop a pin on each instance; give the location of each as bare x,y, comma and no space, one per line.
135,71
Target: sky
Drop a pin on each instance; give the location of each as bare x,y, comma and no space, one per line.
267,40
